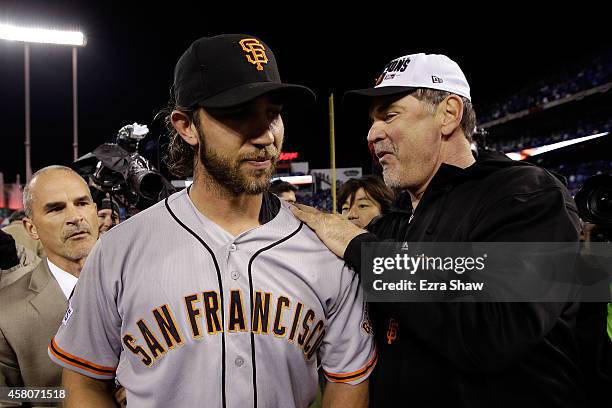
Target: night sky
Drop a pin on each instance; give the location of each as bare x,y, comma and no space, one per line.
125,71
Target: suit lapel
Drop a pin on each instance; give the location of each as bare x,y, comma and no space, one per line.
49,297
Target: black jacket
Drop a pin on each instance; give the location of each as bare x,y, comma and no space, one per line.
479,354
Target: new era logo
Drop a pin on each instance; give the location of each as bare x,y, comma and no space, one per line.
436,80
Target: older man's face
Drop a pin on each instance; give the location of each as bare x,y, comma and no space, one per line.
406,140
64,216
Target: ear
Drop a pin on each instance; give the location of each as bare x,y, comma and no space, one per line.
184,127
30,228
451,111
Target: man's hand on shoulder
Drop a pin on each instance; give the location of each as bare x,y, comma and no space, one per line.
335,231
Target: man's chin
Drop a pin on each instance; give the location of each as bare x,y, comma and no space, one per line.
391,179
258,176
242,179
77,255
81,250
257,187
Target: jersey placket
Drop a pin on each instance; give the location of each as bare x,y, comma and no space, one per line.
239,378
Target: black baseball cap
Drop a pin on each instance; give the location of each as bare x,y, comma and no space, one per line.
229,70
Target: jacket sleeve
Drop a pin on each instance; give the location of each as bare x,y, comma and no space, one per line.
391,227
352,254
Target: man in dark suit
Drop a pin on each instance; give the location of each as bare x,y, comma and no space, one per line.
61,214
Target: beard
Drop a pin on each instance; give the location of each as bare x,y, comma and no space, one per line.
228,173
392,175
392,179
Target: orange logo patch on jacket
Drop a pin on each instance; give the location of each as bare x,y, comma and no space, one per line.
392,331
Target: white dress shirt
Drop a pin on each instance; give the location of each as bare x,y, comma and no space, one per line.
67,281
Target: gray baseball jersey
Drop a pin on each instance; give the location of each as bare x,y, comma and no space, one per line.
185,314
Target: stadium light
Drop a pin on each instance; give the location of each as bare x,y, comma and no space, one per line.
29,35
41,35
534,151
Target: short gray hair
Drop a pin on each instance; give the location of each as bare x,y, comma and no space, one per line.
27,191
433,97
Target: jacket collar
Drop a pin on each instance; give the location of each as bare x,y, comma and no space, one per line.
448,174
40,277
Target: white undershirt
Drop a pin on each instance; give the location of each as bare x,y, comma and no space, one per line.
67,281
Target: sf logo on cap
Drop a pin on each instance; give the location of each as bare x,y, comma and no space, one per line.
256,52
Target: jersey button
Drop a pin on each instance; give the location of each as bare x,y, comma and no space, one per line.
232,247
235,275
239,361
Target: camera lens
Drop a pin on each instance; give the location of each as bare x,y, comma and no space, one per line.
600,202
150,185
594,200
143,179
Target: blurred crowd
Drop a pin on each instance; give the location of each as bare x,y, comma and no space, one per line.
598,72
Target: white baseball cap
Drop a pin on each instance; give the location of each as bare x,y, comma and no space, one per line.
410,72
